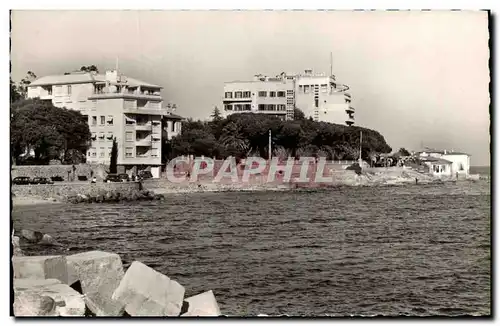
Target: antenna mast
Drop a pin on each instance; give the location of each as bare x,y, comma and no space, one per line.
331,64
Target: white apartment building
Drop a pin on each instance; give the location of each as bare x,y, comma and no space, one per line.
116,106
319,96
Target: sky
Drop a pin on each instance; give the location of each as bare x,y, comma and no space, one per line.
419,78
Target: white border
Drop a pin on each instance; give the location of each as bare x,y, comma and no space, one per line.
186,4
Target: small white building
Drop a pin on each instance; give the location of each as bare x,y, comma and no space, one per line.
455,163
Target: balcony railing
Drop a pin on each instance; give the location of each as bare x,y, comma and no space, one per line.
143,126
143,142
126,92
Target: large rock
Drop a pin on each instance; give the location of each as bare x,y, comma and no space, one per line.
16,246
40,267
99,274
33,305
145,292
46,298
203,304
32,236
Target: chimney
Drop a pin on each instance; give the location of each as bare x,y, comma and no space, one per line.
112,76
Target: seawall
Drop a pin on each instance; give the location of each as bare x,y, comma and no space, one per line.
72,189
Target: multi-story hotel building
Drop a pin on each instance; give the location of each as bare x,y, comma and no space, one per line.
117,107
319,96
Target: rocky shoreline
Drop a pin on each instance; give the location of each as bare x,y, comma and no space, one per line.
159,192
95,283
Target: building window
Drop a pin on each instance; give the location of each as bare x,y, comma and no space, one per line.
93,151
129,136
154,152
281,107
109,151
101,135
172,126
94,136
246,94
94,120
347,100
228,107
334,85
262,94
271,107
316,102
461,167
110,135
129,151
262,107
69,90
248,107
110,120
306,89
324,88
272,94
228,95
103,120
101,152
301,88
49,90
238,95
281,94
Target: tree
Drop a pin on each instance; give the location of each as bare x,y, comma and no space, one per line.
113,166
298,114
48,131
14,92
216,116
25,82
404,152
91,68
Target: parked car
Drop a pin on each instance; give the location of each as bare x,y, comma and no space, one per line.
113,177
21,181
145,174
41,181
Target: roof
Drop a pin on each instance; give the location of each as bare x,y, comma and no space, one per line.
85,77
436,160
174,116
439,151
73,78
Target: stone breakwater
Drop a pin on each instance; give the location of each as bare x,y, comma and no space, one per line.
95,284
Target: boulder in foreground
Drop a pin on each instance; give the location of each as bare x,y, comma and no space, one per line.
40,267
99,274
145,292
203,304
46,298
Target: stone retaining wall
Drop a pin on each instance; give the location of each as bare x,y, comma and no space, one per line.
71,189
48,171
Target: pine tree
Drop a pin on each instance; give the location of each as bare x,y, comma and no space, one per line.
114,157
216,115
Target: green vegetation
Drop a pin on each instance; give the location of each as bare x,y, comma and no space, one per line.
50,132
246,134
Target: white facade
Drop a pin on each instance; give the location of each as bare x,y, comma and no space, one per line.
459,163
319,96
117,107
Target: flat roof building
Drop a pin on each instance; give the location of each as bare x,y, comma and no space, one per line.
319,96
116,106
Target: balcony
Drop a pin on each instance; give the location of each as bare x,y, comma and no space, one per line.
124,93
350,110
145,110
144,142
347,95
349,121
143,126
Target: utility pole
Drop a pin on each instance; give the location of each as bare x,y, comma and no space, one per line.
270,150
360,142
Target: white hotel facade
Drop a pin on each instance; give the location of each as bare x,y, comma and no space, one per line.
319,96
